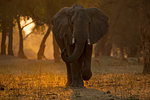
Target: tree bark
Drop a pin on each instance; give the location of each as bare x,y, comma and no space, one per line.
21,52
132,52
10,37
145,33
146,46
122,58
40,54
3,43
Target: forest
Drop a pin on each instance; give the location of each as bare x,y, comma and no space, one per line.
31,66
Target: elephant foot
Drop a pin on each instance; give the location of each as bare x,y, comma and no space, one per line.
86,75
77,84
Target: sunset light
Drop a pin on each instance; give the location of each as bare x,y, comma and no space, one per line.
28,29
74,50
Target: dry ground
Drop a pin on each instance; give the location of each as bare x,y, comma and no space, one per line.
44,80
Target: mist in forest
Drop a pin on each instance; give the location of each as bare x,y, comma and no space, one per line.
31,66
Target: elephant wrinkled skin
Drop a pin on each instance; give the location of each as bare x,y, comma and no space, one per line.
76,29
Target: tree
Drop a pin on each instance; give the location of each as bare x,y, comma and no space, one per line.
42,46
23,8
21,52
6,16
3,43
145,33
10,37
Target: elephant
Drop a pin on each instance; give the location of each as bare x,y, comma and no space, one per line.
76,29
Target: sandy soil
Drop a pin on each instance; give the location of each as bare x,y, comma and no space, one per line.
36,79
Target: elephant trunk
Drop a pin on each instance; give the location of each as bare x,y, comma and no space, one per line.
79,47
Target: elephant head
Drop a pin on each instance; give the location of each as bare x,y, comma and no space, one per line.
81,26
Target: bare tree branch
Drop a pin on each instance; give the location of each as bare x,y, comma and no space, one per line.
27,25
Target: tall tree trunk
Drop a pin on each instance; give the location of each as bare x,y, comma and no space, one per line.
132,52
107,48
10,37
21,52
146,47
145,33
3,43
122,54
56,51
40,54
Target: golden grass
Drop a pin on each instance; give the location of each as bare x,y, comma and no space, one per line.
33,86
29,85
32,80
123,85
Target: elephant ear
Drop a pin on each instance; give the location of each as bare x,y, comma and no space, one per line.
98,25
60,23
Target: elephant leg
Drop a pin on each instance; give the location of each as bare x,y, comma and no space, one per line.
86,67
69,75
77,80
56,51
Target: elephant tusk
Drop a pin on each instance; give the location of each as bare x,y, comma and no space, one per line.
73,40
89,42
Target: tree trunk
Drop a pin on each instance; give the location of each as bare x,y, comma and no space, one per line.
145,33
10,36
40,54
56,51
108,47
132,52
3,43
21,52
122,58
146,46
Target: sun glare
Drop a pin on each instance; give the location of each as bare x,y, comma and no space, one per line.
28,29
